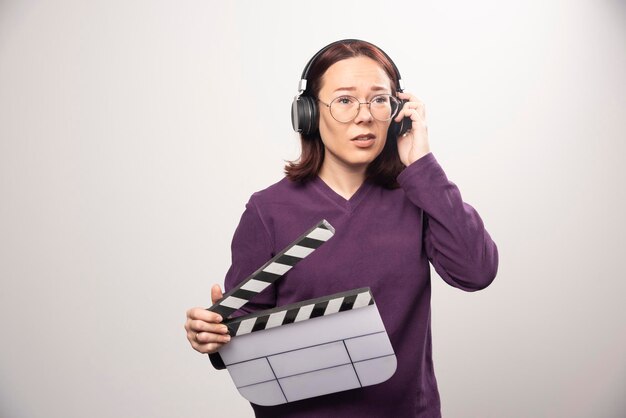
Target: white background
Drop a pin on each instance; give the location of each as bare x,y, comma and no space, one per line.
133,132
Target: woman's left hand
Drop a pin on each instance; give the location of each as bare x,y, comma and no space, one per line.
414,143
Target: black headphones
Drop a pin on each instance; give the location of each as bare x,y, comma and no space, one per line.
304,109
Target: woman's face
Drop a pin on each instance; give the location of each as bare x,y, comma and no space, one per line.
355,144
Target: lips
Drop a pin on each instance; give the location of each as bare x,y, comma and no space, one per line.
363,137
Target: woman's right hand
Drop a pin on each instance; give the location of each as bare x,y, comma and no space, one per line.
205,332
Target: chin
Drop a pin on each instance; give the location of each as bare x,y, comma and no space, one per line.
361,161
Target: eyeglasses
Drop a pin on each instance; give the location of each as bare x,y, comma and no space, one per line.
345,109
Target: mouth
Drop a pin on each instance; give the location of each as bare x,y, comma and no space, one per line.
364,137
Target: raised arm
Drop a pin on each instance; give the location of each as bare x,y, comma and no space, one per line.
455,239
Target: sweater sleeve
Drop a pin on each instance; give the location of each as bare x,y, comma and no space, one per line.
250,249
455,239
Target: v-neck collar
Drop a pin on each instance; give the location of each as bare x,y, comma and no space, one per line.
347,204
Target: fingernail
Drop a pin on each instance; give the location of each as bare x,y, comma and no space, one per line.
227,338
224,329
219,318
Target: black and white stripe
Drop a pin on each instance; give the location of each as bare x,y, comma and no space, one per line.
274,269
301,311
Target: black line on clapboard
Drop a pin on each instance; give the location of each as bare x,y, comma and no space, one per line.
374,358
305,347
364,335
296,374
257,383
316,370
276,377
352,363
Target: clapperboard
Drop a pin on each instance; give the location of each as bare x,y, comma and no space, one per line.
307,349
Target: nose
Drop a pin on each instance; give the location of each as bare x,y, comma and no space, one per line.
363,114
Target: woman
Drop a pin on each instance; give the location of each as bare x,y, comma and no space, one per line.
394,210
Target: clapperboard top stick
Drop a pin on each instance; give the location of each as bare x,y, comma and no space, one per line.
274,269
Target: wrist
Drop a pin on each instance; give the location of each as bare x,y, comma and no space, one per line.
414,156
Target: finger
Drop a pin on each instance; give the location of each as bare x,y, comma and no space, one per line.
414,114
209,337
201,326
408,96
206,348
401,114
204,315
412,101
407,111
216,293
420,107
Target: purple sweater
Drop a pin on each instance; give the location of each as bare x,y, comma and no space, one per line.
384,240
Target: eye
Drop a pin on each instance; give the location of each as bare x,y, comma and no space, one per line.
345,100
380,99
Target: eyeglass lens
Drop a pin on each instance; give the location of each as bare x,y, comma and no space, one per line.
382,107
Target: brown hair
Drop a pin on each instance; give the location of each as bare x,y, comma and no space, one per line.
386,167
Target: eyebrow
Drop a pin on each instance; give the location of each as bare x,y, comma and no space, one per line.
374,88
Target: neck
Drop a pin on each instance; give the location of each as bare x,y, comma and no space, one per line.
344,181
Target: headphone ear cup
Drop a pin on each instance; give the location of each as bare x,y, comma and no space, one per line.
404,125
399,128
304,115
396,129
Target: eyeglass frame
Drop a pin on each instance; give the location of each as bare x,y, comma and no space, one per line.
369,109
